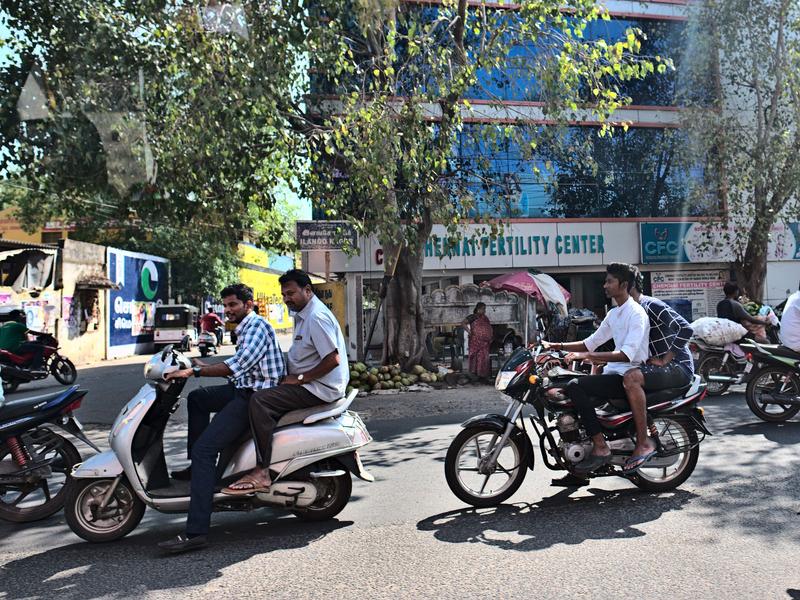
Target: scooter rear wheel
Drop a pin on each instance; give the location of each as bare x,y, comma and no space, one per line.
335,494
122,514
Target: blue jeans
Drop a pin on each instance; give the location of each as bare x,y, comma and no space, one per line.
207,440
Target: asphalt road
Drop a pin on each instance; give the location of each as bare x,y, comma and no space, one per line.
731,531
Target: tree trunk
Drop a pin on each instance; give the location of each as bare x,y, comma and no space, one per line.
404,320
751,269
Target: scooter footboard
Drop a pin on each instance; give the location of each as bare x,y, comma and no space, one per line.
100,465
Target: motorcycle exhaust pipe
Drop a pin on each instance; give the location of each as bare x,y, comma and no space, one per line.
723,379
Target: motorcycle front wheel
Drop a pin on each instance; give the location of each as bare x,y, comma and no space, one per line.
63,370
664,473
712,365
40,495
120,516
475,484
772,393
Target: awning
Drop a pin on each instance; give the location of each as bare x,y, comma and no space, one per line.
95,282
30,269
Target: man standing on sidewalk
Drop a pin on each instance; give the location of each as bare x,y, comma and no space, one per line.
257,365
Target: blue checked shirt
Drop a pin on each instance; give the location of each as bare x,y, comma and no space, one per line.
668,332
258,362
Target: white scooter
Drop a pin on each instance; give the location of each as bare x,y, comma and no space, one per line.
314,450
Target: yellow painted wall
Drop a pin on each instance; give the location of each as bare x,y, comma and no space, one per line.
10,228
334,296
265,286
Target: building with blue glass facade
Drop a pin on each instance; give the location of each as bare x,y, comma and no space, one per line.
569,220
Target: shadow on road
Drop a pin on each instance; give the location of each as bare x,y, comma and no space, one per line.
780,433
134,564
558,519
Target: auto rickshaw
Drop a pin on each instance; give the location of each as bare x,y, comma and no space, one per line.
175,324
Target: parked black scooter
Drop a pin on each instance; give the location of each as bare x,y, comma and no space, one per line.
35,461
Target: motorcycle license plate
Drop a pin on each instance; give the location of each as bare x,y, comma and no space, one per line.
504,379
748,367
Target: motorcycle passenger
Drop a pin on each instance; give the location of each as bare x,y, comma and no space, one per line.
318,373
627,324
256,365
670,366
790,323
730,308
14,338
211,323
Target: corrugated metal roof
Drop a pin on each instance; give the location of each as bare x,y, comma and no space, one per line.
15,245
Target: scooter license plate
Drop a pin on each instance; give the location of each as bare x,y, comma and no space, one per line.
748,367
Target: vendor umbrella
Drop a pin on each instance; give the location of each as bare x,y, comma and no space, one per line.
539,285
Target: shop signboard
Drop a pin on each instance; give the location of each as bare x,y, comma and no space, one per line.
696,291
325,235
693,242
143,282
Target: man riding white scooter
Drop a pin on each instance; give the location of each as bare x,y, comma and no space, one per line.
257,365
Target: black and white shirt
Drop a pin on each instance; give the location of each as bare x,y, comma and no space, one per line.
668,332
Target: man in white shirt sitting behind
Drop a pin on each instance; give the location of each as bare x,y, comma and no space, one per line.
790,323
628,325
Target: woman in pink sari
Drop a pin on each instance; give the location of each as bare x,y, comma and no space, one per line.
480,333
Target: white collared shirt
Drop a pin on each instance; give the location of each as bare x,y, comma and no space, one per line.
629,327
316,335
790,323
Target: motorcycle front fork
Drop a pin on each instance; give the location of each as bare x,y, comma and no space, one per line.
488,463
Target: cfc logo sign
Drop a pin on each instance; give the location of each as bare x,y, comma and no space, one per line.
149,280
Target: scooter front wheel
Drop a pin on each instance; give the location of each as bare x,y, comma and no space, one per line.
117,519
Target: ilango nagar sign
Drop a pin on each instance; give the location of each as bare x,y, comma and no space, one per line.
325,235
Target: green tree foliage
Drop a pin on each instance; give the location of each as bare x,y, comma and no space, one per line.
163,131
746,124
398,96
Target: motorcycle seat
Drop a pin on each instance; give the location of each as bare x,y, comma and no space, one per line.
313,414
24,406
653,398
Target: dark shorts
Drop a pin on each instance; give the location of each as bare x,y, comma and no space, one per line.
661,378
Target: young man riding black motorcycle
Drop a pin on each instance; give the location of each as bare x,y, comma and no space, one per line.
628,325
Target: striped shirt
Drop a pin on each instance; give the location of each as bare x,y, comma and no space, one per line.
258,362
669,332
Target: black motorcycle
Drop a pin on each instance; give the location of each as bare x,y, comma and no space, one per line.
35,461
487,461
773,390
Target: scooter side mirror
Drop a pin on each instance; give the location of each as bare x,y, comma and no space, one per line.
167,350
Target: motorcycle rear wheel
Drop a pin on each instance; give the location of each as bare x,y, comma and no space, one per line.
63,370
84,500
770,381
61,467
462,460
335,494
673,433
712,365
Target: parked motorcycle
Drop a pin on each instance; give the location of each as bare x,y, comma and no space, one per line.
488,460
314,451
54,364
720,367
773,391
35,461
